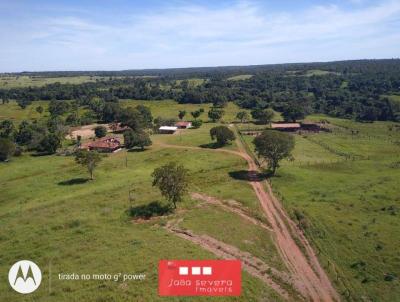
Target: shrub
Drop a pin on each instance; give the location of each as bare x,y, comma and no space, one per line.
7,148
197,124
100,131
149,210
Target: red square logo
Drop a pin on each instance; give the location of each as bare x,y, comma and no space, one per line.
199,278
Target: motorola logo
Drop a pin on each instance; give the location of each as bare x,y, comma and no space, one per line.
25,276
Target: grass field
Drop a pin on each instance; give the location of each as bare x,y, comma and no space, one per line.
25,81
240,77
346,185
170,109
52,214
12,111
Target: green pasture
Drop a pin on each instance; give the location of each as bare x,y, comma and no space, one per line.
52,214
240,77
170,109
346,184
12,111
25,81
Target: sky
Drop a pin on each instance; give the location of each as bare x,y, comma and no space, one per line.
44,35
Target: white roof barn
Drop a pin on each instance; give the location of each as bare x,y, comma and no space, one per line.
167,129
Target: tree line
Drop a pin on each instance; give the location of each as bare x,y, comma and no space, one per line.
350,89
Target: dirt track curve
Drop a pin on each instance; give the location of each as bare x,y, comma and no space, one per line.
309,277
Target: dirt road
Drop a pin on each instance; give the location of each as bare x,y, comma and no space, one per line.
310,279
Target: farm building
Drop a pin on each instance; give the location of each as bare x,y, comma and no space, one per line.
183,125
286,126
167,129
118,128
105,144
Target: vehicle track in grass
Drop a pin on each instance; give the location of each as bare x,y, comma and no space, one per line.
311,281
251,264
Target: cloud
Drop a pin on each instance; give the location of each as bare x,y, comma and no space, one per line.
195,35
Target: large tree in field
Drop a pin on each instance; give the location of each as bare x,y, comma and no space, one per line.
7,148
292,113
196,114
88,159
263,116
6,128
49,144
172,180
215,114
136,139
222,134
273,146
242,116
181,114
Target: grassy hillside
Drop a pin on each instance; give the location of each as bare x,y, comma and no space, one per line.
346,184
170,109
12,111
51,214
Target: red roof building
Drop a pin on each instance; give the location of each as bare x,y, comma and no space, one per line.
183,125
105,144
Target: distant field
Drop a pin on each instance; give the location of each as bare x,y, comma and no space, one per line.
351,205
170,109
164,108
13,112
312,72
240,77
193,82
25,81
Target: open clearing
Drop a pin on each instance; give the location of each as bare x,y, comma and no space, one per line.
341,190
24,81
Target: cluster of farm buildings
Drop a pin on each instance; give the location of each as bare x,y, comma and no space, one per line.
113,144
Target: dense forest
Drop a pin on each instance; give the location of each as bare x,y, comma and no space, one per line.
348,89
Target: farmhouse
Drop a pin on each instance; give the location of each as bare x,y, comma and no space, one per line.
286,126
183,125
105,144
167,129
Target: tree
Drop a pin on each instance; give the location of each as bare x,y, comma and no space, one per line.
49,144
195,114
39,109
197,124
100,131
23,103
181,114
7,148
6,128
215,114
292,113
136,139
222,134
58,107
273,146
146,115
133,119
172,180
111,112
88,159
263,116
242,116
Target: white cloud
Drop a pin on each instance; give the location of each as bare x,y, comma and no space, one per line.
189,35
